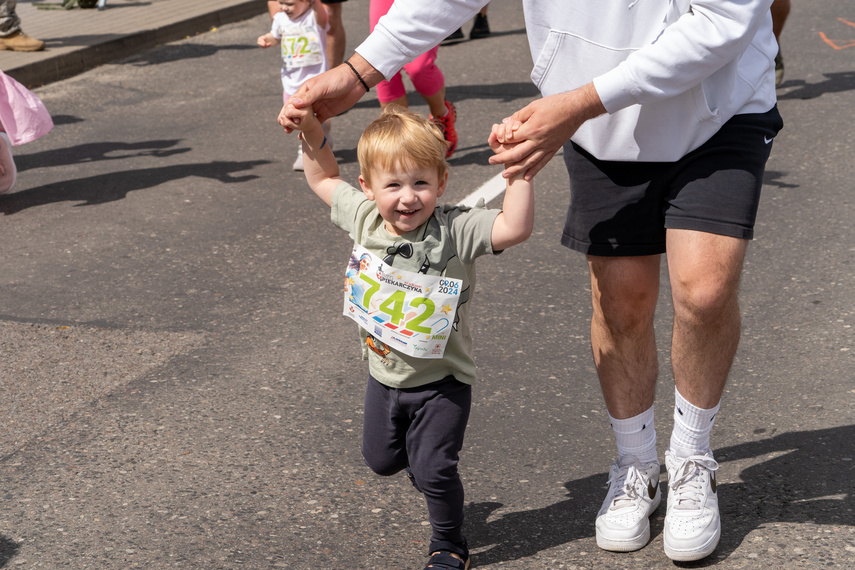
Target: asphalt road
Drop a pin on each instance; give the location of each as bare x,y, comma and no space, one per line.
179,388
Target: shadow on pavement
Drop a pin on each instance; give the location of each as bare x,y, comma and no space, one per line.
810,478
493,34
773,178
8,549
177,52
834,83
477,154
65,120
93,152
114,186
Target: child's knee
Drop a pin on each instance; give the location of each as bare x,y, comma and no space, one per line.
383,465
434,478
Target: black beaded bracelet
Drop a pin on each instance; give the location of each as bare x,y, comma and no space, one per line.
359,77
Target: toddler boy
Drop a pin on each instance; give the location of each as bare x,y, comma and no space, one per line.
408,284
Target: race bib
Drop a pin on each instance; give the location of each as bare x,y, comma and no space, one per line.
301,49
407,311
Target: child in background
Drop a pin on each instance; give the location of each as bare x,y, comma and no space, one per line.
416,405
23,119
300,28
427,79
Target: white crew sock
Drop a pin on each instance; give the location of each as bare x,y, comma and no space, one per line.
692,427
636,436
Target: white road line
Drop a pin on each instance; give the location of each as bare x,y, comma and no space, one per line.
488,191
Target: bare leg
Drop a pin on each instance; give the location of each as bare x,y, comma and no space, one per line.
436,102
624,292
704,270
336,40
273,7
780,11
400,102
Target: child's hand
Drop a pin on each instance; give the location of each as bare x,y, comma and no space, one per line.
266,41
503,135
298,119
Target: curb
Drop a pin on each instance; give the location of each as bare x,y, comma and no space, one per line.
67,65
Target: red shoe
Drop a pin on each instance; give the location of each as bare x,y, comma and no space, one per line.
446,123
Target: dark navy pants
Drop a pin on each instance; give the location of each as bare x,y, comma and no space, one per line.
422,428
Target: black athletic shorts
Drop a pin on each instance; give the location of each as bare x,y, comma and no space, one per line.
624,208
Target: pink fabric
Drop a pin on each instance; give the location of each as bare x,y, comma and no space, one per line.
423,71
22,115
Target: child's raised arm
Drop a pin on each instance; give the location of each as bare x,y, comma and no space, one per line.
319,164
321,15
516,220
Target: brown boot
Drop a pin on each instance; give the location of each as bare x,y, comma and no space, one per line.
19,41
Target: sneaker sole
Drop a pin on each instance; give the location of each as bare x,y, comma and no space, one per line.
695,553
625,545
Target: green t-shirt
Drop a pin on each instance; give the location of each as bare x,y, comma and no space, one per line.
446,245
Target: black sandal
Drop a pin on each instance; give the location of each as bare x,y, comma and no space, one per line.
443,560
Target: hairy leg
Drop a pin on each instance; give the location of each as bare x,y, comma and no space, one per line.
704,270
624,292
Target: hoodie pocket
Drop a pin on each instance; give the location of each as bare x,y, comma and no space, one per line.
552,72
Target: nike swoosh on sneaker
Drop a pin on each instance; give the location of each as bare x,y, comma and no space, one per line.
767,140
651,489
712,482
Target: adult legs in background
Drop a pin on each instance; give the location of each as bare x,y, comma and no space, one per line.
11,36
780,11
336,38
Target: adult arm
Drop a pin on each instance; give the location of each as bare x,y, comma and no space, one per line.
529,138
410,28
332,92
711,35
702,41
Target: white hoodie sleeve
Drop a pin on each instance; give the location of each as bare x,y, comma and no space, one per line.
712,34
411,28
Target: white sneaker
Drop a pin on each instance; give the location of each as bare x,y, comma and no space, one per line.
298,164
692,521
623,523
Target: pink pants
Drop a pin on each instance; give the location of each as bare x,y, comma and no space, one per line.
423,72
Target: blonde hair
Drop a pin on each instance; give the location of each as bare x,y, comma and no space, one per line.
399,139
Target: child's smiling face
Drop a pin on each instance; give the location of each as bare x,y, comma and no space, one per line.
405,196
294,8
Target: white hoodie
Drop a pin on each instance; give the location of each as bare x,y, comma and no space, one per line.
670,73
